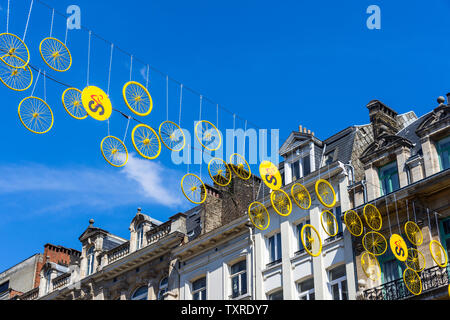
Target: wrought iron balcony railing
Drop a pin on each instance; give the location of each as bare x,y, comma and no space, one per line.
432,278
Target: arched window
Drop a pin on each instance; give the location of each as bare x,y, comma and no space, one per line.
140,293
90,261
139,235
163,285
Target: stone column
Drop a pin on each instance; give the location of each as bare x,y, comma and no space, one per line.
402,155
373,182
286,271
430,157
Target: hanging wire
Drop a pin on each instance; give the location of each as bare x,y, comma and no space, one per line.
89,58
67,31
126,130
110,68
34,87
396,212
45,88
147,77
7,18
217,115
167,98
28,20
181,100
407,210
437,225
51,25
245,133
414,210
131,66
387,213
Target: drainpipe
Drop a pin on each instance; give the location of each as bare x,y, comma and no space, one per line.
364,184
253,258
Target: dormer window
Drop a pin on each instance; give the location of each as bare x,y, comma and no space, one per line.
90,261
300,167
388,175
139,235
443,150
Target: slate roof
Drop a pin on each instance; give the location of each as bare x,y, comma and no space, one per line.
409,132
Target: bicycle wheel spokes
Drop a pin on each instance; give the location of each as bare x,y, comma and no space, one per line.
240,166
416,260
281,202
258,215
17,79
311,240
172,136
375,243
413,233
412,281
353,223
370,266
13,51
208,135
137,98
329,223
71,99
325,193
301,196
114,151
438,253
219,172
55,54
146,141
35,115
372,217
193,188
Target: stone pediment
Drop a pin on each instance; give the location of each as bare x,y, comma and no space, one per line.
384,144
90,232
295,139
439,117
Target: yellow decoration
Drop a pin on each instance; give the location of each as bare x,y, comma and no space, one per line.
301,196
172,136
438,254
240,166
71,99
416,260
146,141
413,233
14,52
17,79
311,240
370,266
372,217
375,243
258,215
412,281
270,175
281,202
329,223
219,171
193,188
96,103
114,151
35,115
208,135
353,223
55,54
137,98
398,247
325,193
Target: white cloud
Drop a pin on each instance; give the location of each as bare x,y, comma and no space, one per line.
55,189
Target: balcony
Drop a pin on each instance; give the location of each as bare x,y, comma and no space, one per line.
432,278
33,294
153,235
61,281
118,252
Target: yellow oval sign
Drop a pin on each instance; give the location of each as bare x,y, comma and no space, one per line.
270,175
96,103
398,247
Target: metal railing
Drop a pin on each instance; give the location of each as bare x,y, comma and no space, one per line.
432,278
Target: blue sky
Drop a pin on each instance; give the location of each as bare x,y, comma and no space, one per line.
278,65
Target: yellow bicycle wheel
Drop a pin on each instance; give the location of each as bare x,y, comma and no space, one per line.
219,171
114,151
258,215
71,99
325,193
240,166
438,254
281,202
372,217
413,233
17,79
375,243
301,196
329,223
353,223
311,240
146,141
193,188
370,266
137,98
208,135
55,54
416,260
35,115
412,281
172,136
13,51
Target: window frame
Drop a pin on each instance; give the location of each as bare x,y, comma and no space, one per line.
238,275
90,255
308,292
138,297
199,290
298,227
139,236
382,177
278,247
441,150
337,281
162,289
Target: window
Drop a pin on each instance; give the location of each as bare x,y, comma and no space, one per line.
140,294
295,170
199,289
301,249
163,285
48,276
306,290
239,279
329,158
4,286
306,165
275,248
278,295
139,235
338,283
443,149
90,260
389,178
445,235
337,213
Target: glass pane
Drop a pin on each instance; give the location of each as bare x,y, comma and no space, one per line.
337,272
306,166
299,232
335,291
235,286
203,294
295,170
196,296
307,285
278,246
244,283
272,248
237,267
200,283
276,295
344,290
446,226
312,296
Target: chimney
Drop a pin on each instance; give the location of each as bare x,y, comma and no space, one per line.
299,128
